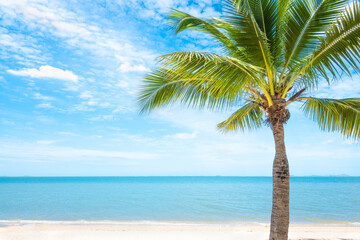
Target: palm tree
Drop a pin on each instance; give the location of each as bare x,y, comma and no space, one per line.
274,53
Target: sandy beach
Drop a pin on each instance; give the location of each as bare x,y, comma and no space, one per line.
165,231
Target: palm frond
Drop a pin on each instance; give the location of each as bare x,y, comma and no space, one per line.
189,62
181,21
341,46
335,115
165,86
339,50
209,65
296,96
250,116
264,12
277,44
308,21
270,16
250,37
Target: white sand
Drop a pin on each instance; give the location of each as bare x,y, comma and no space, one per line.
162,231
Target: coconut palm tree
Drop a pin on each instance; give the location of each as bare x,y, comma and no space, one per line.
273,53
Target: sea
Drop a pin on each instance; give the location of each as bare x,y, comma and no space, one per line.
176,199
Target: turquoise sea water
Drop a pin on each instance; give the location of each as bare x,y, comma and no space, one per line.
175,198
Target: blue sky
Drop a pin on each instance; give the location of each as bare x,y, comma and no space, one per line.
69,74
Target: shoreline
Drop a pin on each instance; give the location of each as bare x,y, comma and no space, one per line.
315,222
156,230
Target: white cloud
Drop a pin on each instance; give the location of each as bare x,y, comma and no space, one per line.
192,119
44,150
39,96
343,88
6,122
327,141
127,67
86,95
65,29
157,9
91,37
67,134
15,42
51,17
351,141
2,80
111,154
20,47
46,72
90,100
122,84
183,136
102,118
45,142
107,49
201,12
81,108
45,105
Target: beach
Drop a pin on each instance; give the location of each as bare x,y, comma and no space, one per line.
165,231
179,120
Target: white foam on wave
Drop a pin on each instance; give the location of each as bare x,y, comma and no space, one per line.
19,222
355,223
114,222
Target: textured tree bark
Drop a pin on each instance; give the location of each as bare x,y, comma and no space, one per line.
280,206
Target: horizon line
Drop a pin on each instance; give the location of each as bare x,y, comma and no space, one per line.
337,175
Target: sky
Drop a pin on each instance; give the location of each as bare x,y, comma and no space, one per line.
69,74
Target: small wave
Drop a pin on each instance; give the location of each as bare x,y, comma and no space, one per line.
19,222
328,221
355,223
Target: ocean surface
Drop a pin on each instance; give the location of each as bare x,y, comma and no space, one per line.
209,199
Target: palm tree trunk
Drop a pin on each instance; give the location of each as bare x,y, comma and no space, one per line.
280,206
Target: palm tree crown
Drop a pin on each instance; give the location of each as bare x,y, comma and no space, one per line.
274,53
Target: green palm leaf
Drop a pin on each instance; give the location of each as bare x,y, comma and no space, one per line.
338,52
337,115
250,116
163,87
341,45
180,21
268,15
308,21
250,37
195,62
